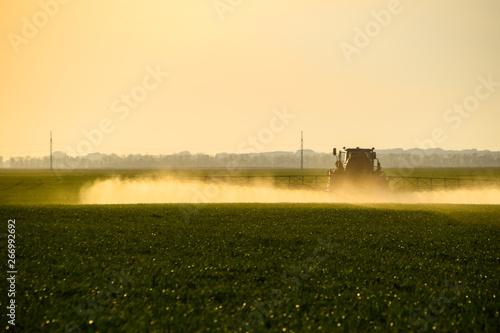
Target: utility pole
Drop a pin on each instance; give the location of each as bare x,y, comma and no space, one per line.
50,150
301,150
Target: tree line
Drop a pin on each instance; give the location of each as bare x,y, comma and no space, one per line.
390,158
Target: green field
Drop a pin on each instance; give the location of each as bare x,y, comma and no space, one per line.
246,267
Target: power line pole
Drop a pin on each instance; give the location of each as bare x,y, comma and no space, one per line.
301,150
50,150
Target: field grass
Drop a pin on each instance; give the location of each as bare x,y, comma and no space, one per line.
247,267
257,267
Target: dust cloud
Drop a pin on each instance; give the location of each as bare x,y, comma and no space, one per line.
133,191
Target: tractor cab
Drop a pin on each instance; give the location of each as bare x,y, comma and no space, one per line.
356,165
357,160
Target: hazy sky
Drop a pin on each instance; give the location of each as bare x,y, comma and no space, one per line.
248,75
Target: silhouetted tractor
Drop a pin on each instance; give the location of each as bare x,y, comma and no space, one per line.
357,168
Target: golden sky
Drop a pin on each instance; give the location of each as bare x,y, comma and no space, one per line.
211,76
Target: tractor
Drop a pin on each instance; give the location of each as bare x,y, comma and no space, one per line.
356,168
